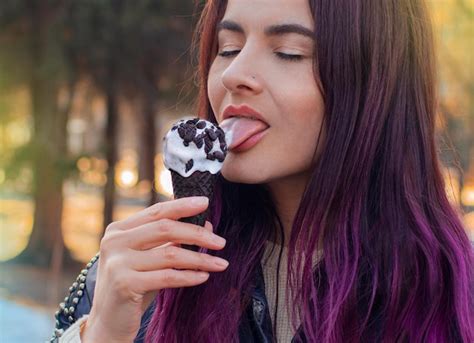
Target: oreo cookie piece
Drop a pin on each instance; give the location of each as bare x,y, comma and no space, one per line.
189,165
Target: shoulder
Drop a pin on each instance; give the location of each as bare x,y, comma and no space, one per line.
78,300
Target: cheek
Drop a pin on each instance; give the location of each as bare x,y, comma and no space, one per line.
298,98
303,110
215,89
302,124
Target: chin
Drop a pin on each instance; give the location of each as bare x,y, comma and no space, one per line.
237,173
242,178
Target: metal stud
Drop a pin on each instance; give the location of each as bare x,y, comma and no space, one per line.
79,286
258,308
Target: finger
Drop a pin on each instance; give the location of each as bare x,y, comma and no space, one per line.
167,245
154,234
169,278
208,226
174,257
173,209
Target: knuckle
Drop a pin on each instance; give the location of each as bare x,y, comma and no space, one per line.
111,227
165,227
155,211
109,241
170,252
104,245
169,277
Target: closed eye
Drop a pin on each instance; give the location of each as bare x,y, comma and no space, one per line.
281,55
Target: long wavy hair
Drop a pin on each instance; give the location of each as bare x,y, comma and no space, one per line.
397,265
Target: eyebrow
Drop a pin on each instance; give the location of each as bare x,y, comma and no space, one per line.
273,30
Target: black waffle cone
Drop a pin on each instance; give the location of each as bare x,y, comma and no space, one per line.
197,184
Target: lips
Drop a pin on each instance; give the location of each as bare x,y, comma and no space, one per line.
241,111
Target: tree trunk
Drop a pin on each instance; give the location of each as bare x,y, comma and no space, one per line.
110,145
148,145
49,143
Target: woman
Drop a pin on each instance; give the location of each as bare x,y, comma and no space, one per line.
344,182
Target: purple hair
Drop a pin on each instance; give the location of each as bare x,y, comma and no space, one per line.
397,264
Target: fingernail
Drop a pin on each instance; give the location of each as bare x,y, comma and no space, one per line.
219,240
220,262
203,275
200,201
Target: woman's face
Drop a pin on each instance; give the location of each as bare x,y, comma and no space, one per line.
265,61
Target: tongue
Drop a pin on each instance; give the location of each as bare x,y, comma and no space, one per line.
238,129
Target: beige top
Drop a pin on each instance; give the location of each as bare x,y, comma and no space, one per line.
73,333
284,330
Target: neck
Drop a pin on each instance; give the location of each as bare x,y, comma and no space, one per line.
287,194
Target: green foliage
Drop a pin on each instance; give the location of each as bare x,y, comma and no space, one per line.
132,44
136,41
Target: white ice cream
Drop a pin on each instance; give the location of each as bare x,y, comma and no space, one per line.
177,155
227,126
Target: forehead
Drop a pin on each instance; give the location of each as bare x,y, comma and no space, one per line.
264,12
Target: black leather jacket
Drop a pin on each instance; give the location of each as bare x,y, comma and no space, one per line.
255,325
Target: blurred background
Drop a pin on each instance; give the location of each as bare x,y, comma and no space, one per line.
87,90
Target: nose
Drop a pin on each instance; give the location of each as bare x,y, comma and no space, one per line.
240,76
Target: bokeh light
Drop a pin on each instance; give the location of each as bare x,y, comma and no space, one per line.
163,183
467,195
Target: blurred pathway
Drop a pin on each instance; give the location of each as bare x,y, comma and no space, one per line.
22,324
28,299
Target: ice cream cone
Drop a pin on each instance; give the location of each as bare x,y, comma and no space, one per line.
194,151
198,184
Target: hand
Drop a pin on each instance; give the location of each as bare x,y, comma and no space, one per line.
140,256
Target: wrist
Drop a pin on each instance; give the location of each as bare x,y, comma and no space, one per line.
92,331
89,333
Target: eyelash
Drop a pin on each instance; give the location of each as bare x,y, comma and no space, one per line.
281,55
